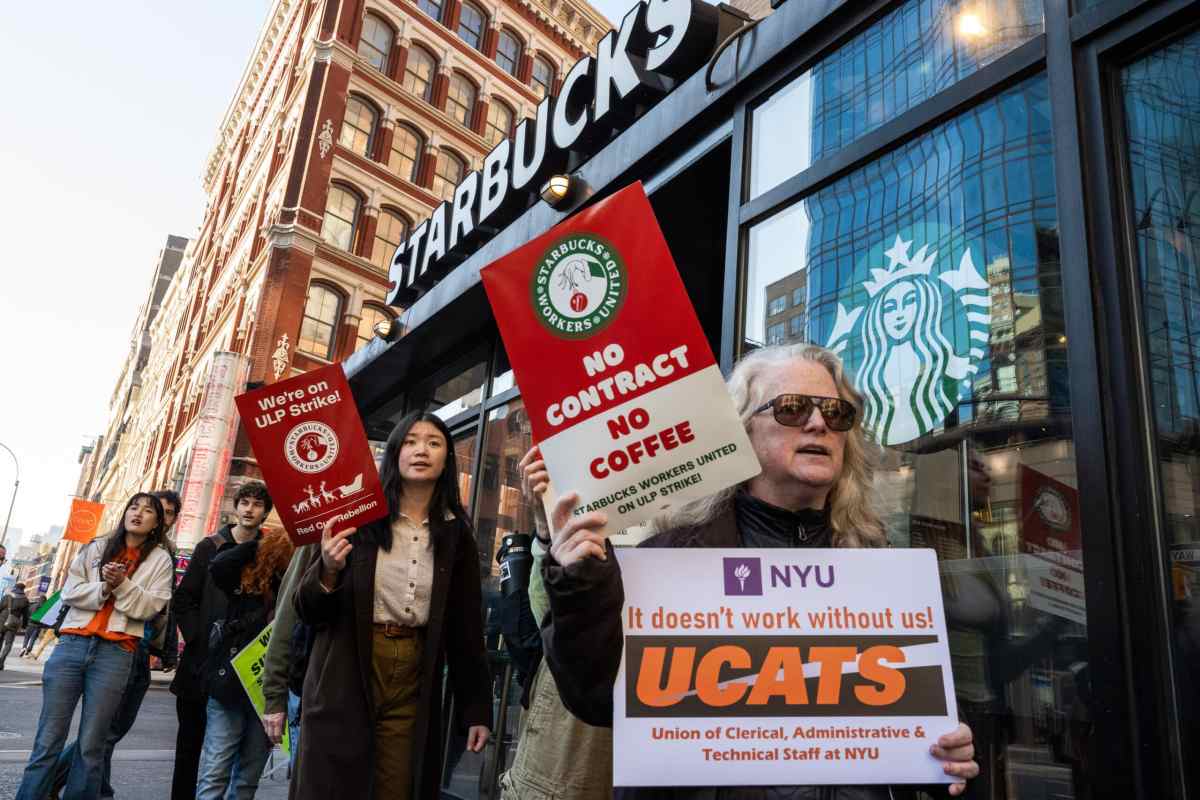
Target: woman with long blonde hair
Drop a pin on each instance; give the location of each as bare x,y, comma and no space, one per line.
803,418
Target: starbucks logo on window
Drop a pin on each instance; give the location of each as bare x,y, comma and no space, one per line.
578,286
915,339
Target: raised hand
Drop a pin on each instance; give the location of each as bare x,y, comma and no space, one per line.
335,549
576,537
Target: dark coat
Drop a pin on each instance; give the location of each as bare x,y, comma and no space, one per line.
337,722
14,611
583,641
197,603
245,617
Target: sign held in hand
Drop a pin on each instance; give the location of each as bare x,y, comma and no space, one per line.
310,444
781,667
624,396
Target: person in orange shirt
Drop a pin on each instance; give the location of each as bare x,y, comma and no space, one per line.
115,586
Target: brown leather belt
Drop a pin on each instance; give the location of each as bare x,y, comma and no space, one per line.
391,630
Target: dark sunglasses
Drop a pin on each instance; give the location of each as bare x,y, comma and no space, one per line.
794,410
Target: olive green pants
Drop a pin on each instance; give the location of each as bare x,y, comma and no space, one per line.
396,673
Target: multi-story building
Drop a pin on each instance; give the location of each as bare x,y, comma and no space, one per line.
353,119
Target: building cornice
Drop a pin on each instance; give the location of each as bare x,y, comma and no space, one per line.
292,236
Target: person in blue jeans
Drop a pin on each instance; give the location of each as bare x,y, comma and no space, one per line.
114,586
248,572
139,679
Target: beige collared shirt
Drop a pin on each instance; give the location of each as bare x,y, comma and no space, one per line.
404,575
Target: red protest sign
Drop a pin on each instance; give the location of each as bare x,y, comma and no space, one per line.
313,453
624,395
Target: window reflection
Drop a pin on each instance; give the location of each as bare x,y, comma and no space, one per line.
450,397
908,56
500,510
934,272
1161,95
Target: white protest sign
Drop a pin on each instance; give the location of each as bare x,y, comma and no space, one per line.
781,667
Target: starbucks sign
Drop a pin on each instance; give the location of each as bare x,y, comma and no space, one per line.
579,286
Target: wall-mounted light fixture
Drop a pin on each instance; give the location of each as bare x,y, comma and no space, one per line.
387,329
564,191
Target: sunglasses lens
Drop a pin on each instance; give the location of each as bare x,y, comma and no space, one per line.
792,409
838,414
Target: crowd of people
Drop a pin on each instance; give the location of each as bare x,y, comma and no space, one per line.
370,623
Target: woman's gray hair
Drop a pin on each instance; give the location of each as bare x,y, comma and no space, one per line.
853,515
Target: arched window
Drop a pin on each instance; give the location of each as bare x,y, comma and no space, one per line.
450,170
418,73
470,25
432,7
543,77
358,126
508,52
499,121
389,233
375,44
322,310
341,217
405,157
460,102
366,324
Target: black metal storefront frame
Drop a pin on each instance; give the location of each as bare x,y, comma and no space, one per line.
1136,747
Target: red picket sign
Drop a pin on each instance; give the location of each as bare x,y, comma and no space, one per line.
313,452
625,398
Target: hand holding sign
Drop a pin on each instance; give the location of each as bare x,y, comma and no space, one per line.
535,482
334,550
957,749
574,537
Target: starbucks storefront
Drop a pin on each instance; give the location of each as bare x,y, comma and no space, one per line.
991,210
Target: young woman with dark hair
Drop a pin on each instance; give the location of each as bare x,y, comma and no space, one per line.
114,587
392,603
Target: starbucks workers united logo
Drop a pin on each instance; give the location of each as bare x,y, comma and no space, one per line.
579,286
908,366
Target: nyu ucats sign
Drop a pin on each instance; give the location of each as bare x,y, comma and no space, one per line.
812,671
658,43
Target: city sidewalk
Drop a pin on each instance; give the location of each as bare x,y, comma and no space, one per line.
28,672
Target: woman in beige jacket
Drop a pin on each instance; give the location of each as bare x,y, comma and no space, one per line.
115,586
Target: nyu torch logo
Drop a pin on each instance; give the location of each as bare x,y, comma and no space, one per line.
907,362
743,576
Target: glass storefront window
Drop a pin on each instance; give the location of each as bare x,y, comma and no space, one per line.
500,509
905,58
934,272
450,397
1161,94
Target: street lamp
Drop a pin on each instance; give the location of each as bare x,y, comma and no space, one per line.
16,485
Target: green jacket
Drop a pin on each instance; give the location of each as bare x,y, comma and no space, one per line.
279,649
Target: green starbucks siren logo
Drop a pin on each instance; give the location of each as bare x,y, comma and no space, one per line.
578,286
916,354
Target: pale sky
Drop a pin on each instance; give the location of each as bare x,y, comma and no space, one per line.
110,112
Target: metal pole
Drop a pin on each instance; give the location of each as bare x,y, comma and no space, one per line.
13,501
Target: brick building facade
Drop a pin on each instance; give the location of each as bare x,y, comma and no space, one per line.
352,120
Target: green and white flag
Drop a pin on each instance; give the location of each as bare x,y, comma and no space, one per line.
48,610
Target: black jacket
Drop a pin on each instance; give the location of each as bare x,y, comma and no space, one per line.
198,602
245,617
14,611
583,638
